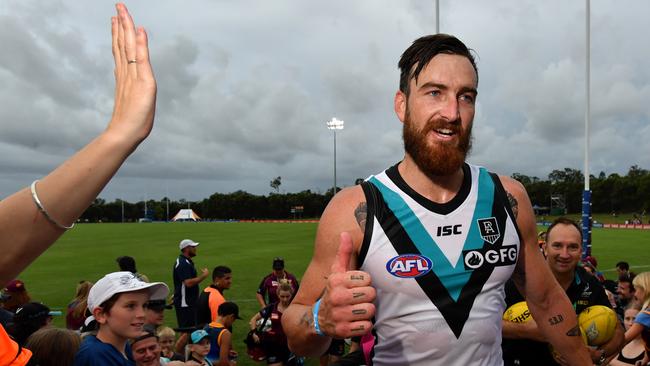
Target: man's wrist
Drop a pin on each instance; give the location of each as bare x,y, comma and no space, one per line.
315,309
601,358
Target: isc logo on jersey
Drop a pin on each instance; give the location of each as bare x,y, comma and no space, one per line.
478,258
409,265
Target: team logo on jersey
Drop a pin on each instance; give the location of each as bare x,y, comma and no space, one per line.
477,258
409,265
489,229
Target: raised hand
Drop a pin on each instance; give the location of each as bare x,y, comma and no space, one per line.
135,86
346,306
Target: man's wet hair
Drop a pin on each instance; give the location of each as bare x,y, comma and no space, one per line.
220,272
423,50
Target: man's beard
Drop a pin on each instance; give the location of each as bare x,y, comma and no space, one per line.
443,158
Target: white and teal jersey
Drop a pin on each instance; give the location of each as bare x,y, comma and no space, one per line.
439,270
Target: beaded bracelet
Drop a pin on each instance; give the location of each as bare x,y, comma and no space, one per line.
42,209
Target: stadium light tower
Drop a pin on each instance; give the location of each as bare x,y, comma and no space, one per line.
437,17
586,194
335,124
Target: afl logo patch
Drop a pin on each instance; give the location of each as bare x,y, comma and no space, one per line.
409,266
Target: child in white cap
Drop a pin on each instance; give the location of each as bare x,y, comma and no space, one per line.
117,302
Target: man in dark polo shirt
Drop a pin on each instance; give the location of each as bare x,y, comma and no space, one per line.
186,284
269,285
523,344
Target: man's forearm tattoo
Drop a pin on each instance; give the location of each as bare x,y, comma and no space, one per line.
514,205
361,214
307,319
574,332
556,319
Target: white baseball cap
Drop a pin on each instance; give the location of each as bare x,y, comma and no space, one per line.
120,282
187,243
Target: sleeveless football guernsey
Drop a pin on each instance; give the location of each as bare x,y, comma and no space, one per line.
439,270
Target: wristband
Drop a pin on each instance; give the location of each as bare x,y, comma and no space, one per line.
315,313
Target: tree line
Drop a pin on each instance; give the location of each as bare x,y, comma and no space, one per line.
611,193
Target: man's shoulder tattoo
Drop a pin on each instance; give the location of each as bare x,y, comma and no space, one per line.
514,205
361,214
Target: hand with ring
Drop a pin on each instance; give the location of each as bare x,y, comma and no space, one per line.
135,85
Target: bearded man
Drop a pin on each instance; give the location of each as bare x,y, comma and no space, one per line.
416,257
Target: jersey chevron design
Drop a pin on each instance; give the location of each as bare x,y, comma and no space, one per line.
452,282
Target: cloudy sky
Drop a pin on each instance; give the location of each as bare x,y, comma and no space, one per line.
246,87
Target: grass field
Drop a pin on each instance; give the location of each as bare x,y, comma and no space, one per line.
89,251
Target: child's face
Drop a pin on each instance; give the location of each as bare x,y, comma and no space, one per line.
126,318
202,348
628,320
166,343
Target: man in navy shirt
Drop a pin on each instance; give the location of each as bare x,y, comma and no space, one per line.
186,284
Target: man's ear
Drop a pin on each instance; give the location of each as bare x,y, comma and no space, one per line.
400,105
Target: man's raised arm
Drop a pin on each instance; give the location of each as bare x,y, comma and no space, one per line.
333,301
27,230
546,300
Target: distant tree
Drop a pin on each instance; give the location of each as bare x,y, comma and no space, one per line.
275,184
523,179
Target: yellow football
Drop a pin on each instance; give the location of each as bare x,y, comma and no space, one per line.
517,313
598,323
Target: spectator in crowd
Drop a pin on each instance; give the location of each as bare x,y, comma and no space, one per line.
16,295
6,316
186,284
635,349
199,348
146,352
146,349
212,296
273,340
33,218
155,314
75,313
127,263
53,347
28,319
166,339
117,302
591,262
625,292
541,239
641,324
523,343
623,269
270,283
220,351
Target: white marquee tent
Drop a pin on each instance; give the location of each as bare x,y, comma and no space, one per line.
186,214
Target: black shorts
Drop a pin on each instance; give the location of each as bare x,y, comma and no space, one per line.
337,347
186,317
